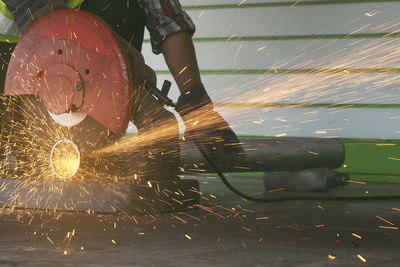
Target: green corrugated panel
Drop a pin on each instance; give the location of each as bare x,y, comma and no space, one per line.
372,157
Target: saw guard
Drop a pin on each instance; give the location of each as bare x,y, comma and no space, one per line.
74,40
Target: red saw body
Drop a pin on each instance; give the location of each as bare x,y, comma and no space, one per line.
73,61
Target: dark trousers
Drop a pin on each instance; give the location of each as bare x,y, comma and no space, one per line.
6,50
125,17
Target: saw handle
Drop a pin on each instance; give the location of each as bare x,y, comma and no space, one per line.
160,95
165,88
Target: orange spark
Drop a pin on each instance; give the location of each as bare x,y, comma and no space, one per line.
358,236
361,258
382,219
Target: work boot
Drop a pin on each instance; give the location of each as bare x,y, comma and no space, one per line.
208,129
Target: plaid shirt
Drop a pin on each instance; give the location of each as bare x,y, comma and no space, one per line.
164,18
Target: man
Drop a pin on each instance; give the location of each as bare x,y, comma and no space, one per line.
171,32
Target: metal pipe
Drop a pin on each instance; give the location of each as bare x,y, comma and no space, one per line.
273,154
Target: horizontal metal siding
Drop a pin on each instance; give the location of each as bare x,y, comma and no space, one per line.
371,53
297,20
277,55
368,88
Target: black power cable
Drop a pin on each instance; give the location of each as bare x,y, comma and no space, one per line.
276,199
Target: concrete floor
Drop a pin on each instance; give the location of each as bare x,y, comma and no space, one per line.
227,232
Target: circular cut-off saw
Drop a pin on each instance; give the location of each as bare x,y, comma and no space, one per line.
77,93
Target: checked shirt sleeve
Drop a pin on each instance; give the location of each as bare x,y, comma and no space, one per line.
165,18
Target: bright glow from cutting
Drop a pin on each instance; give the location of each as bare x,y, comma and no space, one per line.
65,159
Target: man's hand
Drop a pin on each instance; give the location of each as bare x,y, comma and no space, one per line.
208,129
